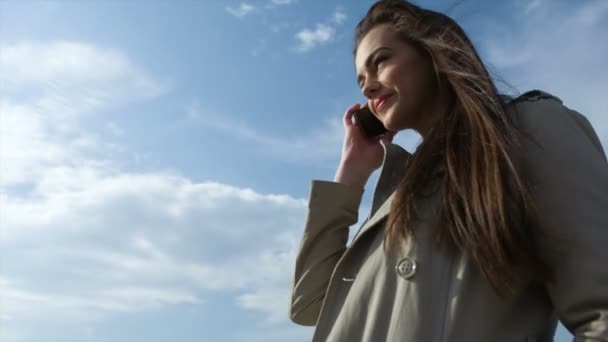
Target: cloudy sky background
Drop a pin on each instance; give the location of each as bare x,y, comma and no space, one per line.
156,157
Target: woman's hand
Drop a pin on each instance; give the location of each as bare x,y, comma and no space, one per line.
361,155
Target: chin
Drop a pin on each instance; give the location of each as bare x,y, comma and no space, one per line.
392,128
395,120
391,123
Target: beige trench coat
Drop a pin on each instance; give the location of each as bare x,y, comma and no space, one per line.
359,293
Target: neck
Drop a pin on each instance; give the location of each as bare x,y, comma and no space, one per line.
439,107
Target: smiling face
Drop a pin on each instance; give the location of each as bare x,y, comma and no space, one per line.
397,79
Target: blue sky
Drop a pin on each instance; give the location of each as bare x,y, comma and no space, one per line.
156,156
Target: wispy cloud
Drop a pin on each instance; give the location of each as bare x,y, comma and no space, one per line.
241,11
271,301
63,81
533,5
339,16
310,38
283,2
40,62
18,302
316,146
321,144
323,33
134,242
131,241
115,129
45,147
126,242
57,67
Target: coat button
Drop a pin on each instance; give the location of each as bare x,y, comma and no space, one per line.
406,268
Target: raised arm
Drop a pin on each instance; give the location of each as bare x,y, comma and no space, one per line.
333,208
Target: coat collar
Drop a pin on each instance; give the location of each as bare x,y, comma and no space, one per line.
393,169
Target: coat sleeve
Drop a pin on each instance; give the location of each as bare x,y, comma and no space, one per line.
569,184
332,209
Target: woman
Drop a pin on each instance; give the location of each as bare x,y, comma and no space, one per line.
492,230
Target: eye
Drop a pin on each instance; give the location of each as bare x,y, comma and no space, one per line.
378,61
360,81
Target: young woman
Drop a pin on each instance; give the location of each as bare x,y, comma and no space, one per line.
492,230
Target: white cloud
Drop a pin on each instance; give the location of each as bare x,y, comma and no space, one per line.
140,242
145,298
322,34
18,302
294,333
91,239
115,129
339,16
271,301
42,62
533,5
68,73
243,10
282,2
25,144
10,335
64,194
73,198
309,38
62,81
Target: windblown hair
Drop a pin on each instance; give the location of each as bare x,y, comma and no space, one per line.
486,209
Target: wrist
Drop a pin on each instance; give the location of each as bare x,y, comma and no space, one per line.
350,177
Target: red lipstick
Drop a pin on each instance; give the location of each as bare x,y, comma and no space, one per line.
379,103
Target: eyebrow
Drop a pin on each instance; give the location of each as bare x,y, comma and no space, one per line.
368,60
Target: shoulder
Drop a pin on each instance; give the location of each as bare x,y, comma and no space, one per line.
548,123
535,108
557,146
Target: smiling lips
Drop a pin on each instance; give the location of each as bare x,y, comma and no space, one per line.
381,101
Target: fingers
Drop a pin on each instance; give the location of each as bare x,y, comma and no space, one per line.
348,116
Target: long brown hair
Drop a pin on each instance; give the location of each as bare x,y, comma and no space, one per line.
486,208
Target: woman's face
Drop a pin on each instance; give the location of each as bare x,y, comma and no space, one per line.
398,81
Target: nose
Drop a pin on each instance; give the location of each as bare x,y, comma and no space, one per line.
370,88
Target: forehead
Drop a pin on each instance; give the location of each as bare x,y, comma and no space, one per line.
379,36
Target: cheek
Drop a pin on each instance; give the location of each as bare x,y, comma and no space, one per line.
414,95
420,85
408,84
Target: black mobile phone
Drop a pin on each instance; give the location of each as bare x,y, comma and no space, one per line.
372,127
